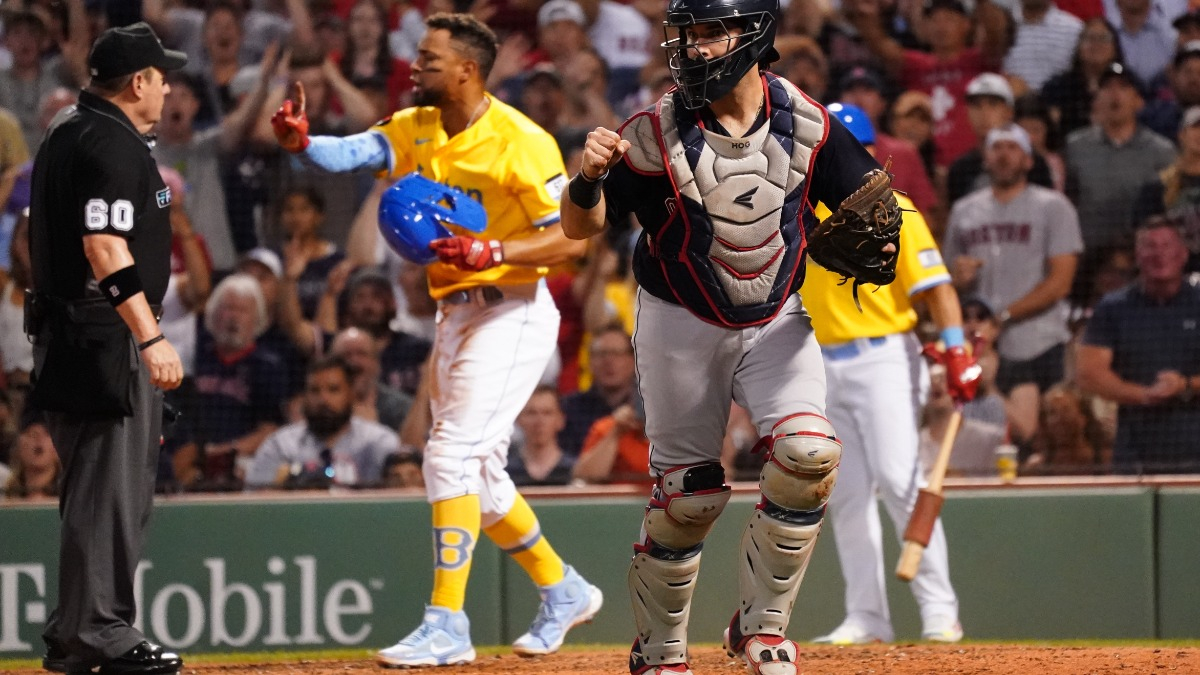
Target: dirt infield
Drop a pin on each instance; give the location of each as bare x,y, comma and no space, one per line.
891,659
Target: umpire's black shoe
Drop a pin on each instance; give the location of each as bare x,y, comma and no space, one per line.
144,659
55,660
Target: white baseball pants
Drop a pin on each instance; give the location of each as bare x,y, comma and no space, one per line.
875,392
487,360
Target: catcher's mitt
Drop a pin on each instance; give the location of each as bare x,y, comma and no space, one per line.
850,242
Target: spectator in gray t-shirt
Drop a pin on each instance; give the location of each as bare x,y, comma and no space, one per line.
331,446
1110,161
1016,246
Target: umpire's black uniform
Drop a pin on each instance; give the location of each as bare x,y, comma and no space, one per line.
94,174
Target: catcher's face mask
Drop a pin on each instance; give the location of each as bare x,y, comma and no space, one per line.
708,56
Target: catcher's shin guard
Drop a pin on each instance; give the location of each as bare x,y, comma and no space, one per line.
662,577
777,544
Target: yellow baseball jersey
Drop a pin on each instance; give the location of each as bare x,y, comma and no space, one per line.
885,310
504,161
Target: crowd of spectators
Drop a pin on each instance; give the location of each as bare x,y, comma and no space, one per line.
1037,137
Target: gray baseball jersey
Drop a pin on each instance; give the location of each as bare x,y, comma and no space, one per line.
1015,241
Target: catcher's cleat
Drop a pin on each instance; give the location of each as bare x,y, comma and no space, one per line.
849,634
762,654
638,665
948,635
565,605
442,639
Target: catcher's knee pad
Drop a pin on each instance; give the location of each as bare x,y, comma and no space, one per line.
776,547
662,577
687,501
802,463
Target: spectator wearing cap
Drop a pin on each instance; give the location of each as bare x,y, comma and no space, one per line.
1045,42
1147,38
561,30
198,155
863,87
543,99
944,72
1142,350
370,306
1016,245
1163,115
1175,191
31,76
1109,162
266,268
911,119
990,106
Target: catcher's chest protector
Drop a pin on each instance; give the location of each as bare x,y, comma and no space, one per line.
732,246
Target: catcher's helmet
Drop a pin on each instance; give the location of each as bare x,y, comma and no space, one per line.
413,210
855,120
700,80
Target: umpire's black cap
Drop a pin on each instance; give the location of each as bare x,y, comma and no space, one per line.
125,50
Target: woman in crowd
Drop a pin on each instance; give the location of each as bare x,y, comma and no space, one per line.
1069,94
368,63
34,465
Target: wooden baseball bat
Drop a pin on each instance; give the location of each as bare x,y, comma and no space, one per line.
928,507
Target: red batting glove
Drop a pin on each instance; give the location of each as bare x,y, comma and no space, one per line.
962,371
291,123
468,253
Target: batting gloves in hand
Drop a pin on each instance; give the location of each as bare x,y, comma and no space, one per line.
291,128
468,253
962,371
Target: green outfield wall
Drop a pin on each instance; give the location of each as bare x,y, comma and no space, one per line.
302,574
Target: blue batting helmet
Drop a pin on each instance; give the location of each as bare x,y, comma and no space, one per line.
855,120
412,213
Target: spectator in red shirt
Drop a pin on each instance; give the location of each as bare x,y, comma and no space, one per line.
863,87
616,450
945,70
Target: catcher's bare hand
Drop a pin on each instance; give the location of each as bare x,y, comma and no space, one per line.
603,149
166,370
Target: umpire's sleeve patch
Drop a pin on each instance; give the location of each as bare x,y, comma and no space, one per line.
929,257
555,186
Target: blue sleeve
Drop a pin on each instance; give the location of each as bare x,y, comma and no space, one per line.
367,150
841,164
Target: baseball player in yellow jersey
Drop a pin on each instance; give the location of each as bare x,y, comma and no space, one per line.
497,323
876,378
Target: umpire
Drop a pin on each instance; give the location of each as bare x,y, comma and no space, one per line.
100,242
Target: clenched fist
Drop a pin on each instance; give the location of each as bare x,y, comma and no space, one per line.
290,123
603,149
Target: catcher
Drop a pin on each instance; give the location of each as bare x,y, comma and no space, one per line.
720,173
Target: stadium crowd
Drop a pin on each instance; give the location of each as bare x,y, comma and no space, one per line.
304,338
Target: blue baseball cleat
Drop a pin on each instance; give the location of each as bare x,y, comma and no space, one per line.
442,639
565,605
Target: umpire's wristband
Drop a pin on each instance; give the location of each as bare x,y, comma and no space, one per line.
121,285
585,192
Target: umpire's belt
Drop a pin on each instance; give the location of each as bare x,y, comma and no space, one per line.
99,310
851,349
486,296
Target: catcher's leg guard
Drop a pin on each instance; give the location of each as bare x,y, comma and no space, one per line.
777,544
662,577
